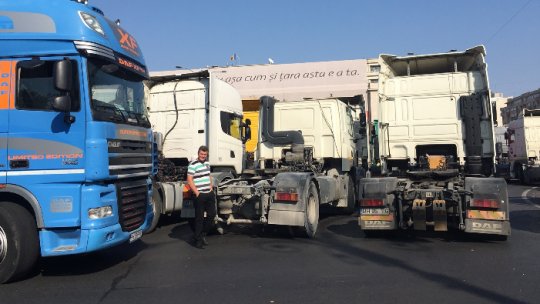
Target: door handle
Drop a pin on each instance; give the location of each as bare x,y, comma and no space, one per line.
232,154
19,164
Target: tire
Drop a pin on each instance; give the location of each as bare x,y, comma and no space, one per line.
157,206
519,174
311,213
351,196
19,243
526,178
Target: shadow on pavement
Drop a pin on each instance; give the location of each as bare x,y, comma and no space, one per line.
525,220
381,258
72,265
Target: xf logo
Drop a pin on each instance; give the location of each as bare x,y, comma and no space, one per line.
128,42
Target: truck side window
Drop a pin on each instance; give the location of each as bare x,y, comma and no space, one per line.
35,89
231,124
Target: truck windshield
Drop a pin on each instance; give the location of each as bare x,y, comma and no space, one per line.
117,95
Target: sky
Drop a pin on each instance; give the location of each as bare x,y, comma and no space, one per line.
196,34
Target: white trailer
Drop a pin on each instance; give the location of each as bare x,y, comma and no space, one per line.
523,136
437,148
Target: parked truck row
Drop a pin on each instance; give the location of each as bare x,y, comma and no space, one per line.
301,163
93,151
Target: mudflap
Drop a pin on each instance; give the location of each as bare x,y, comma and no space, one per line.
290,213
419,214
495,222
440,218
378,188
487,226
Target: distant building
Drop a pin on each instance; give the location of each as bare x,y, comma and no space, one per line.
514,106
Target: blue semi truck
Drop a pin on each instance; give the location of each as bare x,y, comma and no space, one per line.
75,140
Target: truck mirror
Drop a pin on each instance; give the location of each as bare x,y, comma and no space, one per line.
246,130
247,133
62,103
363,120
63,75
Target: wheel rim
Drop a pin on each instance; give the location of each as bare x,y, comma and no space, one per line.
3,245
312,212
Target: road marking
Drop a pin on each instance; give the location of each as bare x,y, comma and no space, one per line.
526,198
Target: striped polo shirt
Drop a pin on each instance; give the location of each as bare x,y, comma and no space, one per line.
201,175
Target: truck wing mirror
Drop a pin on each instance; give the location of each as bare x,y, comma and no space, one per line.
363,120
63,75
247,131
62,103
247,134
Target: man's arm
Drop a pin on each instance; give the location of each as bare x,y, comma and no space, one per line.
191,184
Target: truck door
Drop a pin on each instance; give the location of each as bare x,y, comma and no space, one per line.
6,82
44,143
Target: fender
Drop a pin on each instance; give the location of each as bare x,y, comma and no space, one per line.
29,197
297,180
377,187
489,187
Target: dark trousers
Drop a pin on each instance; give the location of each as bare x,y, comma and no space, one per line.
204,202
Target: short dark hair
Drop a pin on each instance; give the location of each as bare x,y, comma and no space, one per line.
203,148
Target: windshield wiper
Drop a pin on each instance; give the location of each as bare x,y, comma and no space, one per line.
103,105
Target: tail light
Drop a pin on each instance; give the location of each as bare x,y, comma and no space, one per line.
485,203
371,202
186,191
286,196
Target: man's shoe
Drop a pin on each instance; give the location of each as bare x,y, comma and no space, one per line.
204,241
199,244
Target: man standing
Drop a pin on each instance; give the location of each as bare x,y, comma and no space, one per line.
198,177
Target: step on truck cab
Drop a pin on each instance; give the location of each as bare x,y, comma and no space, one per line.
75,141
437,148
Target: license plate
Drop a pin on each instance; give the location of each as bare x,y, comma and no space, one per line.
188,204
375,211
135,236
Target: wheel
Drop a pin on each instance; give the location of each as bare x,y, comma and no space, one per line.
351,196
311,213
19,243
519,174
526,178
157,206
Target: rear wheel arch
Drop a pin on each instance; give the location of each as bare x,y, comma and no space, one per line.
24,198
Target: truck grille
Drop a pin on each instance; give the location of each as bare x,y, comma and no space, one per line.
132,200
129,158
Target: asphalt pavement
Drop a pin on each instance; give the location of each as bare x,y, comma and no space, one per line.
340,266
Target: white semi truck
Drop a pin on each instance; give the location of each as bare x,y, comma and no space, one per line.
188,111
437,148
306,153
523,137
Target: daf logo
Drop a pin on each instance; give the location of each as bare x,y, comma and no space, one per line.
114,144
487,226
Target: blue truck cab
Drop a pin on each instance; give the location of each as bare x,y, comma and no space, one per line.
75,139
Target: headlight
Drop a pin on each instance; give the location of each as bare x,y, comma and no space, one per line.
91,22
101,212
